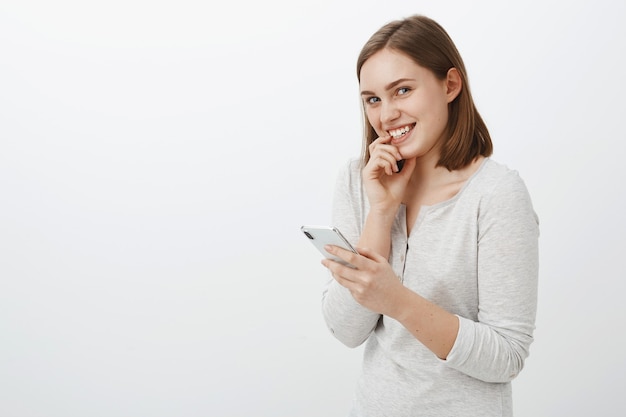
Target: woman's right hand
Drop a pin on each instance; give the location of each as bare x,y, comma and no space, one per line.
385,186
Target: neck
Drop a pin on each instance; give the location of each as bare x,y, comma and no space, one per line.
426,171
430,183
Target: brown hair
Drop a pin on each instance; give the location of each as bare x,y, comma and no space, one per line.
429,45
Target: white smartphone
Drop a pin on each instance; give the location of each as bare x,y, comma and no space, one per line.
327,235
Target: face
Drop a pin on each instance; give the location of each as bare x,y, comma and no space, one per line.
405,101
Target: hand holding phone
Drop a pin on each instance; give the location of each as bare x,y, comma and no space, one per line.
321,236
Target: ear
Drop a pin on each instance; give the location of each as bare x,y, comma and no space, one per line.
454,84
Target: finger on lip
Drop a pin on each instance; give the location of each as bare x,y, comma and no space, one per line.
384,140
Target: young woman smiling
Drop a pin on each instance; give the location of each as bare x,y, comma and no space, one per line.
444,292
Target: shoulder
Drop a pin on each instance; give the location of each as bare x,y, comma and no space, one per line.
350,173
502,190
496,179
351,167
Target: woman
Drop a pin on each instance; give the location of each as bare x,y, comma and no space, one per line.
444,292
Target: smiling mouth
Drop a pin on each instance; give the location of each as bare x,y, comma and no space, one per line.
400,132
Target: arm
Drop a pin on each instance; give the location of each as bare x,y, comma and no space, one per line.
374,284
494,348
347,317
347,320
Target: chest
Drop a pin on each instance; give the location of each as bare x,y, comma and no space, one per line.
438,259
419,200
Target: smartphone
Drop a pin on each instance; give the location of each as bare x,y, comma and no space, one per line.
327,235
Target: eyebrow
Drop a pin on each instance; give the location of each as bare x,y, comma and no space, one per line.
388,86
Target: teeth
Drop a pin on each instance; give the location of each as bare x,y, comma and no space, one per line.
396,133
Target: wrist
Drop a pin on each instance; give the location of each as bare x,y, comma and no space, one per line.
383,213
379,224
387,206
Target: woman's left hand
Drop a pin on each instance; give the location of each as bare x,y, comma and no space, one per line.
372,282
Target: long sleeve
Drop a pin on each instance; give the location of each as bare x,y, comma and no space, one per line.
347,320
494,347
474,255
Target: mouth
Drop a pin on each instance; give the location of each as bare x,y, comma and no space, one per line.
400,132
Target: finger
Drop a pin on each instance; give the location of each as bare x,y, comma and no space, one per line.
385,165
376,146
386,157
382,139
344,275
348,256
385,161
409,166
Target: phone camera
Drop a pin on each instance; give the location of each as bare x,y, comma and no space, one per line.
309,235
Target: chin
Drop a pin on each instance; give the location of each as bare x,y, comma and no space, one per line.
410,153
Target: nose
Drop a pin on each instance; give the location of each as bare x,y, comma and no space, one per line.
389,112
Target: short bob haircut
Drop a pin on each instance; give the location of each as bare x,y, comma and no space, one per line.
429,45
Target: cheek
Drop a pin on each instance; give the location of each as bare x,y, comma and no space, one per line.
443,116
437,114
374,120
371,117
440,108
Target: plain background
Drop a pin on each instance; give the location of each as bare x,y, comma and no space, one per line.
157,159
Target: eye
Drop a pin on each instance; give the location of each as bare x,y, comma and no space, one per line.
372,100
403,90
